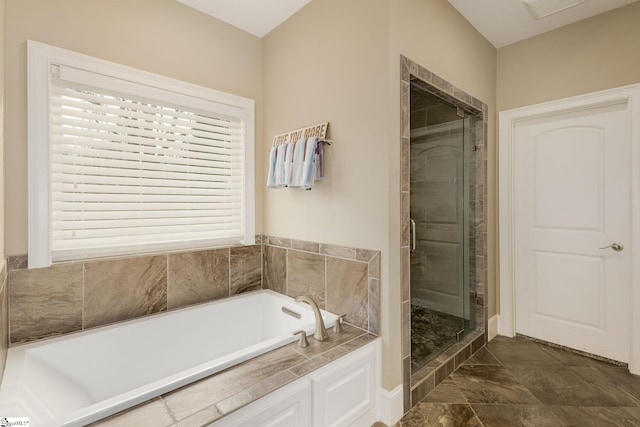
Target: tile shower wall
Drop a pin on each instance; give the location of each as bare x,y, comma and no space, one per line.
340,279
417,385
4,319
72,297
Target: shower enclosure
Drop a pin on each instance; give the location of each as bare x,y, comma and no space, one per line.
442,224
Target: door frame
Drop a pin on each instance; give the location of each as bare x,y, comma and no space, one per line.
629,95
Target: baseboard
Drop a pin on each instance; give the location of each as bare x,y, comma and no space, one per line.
493,326
390,405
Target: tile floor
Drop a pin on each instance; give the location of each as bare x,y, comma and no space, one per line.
517,382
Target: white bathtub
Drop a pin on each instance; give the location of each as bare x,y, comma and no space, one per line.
80,378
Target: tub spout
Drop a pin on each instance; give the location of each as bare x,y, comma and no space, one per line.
321,332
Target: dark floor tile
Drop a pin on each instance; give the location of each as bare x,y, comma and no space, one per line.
516,415
623,380
519,351
569,358
482,357
491,385
596,416
571,386
446,392
440,414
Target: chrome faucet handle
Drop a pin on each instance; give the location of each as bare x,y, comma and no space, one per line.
303,338
337,328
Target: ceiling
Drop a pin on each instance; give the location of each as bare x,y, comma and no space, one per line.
257,17
502,22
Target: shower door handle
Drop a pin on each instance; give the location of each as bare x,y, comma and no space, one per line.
413,234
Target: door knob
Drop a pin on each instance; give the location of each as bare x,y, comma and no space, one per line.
615,246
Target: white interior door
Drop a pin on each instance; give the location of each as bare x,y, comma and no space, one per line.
572,198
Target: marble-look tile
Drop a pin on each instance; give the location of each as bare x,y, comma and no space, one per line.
194,277
405,279
482,357
405,131
492,385
365,255
404,218
44,302
318,361
426,414
442,84
624,381
358,342
446,392
569,358
374,306
152,413
254,392
595,416
188,400
348,289
200,419
123,289
275,269
245,269
422,389
302,245
423,74
279,241
374,266
338,251
316,347
406,328
4,325
517,415
306,276
405,169
519,351
406,383
17,262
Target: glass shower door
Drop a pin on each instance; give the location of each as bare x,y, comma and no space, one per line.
441,193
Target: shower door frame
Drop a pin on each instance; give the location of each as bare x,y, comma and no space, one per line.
418,384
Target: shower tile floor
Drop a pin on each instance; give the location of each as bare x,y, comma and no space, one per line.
518,382
431,332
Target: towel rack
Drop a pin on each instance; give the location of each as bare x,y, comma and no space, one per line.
319,131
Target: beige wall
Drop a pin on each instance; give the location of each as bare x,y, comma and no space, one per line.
591,55
160,36
339,61
3,23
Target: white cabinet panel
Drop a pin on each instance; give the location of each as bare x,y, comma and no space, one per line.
346,392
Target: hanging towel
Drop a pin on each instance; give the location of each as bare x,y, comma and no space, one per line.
297,164
319,161
271,177
309,165
280,155
288,164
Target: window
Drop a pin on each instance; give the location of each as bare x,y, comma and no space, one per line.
122,161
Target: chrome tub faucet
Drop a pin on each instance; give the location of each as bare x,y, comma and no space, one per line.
321,331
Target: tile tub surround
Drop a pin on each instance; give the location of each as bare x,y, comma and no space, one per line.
418,384
342,280
70,297
211,398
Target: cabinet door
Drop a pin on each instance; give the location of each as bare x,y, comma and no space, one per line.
288,407
344,394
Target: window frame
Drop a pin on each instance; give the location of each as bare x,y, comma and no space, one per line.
41,58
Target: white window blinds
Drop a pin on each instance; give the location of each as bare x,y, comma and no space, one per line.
134,168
